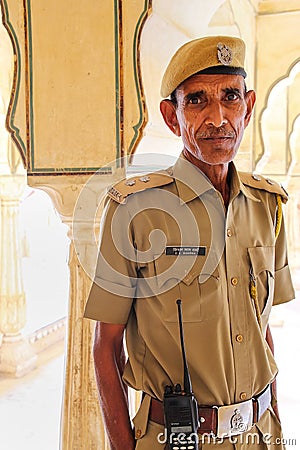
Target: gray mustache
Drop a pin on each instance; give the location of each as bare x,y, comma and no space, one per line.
215,133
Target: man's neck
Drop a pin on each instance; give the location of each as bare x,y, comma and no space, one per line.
217,174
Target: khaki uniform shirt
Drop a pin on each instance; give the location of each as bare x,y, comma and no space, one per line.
176,240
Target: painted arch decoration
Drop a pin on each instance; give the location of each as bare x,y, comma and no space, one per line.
77,99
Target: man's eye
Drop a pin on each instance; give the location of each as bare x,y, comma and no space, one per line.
231,97
194,100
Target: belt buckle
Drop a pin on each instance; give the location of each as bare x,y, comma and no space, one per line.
234,419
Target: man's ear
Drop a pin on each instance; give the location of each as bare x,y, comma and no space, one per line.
250,101
168,111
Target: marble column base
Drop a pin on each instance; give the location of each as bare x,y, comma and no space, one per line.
17,356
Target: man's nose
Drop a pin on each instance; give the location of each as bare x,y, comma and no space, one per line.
215,115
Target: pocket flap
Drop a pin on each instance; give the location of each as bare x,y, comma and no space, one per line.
262,259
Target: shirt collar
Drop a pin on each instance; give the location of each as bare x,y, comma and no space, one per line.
192,183
237,186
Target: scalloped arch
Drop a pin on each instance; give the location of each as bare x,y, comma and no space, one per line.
278,94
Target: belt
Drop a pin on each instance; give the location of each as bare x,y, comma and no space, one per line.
223,421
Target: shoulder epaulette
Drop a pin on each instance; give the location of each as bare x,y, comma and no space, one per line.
266,184
120,191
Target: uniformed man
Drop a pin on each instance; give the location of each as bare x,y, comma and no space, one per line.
211,236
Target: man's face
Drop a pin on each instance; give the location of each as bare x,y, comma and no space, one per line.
211,114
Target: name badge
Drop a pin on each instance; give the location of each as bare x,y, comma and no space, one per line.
185,251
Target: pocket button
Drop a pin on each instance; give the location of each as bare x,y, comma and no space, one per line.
234,281
239,338
243,395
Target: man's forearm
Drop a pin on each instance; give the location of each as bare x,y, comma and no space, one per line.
109,365
114,406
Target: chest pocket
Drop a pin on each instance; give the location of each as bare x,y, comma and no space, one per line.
262,260
201,293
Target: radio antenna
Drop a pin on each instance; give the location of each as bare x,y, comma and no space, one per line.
186,374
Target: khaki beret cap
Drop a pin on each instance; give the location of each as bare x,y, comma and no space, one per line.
210,54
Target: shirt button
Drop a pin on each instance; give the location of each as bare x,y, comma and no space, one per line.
138,434
239,338
234,281
243,395
229,232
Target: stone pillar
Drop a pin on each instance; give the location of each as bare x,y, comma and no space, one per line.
82,423
77,203
16,354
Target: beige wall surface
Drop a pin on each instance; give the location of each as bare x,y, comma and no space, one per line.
73,84
77,103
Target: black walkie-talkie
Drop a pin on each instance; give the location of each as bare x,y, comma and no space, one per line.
180,407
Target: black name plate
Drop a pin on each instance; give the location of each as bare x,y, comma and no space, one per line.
185,251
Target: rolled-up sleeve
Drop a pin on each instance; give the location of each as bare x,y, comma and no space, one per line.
284,290
113,289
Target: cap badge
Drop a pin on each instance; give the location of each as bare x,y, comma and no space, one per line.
224,54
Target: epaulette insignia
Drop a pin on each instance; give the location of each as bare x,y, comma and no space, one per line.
259,182
120,191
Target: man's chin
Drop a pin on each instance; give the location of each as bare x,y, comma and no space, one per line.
216,157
